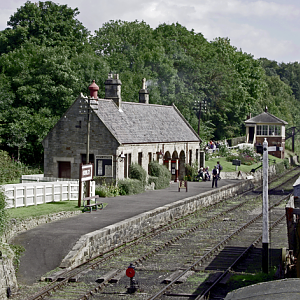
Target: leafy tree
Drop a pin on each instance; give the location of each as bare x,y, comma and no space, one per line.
44,23
47,58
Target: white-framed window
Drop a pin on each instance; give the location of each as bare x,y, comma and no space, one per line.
104,165
268,130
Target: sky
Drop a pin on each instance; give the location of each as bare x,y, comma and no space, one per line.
264,28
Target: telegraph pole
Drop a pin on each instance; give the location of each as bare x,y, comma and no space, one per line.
265,211
202,107
88,144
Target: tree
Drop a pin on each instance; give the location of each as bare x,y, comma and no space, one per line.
44,23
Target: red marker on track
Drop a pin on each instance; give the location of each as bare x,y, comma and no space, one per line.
130,272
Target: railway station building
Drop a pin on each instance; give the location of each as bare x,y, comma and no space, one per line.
121,133
266,125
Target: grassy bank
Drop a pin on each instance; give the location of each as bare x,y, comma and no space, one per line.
229,167
43,209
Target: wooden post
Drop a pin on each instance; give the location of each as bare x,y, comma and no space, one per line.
79,188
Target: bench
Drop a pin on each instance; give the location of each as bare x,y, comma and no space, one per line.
89,205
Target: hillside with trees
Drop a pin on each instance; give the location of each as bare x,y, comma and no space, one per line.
48,57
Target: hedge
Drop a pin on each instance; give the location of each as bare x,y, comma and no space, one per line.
130,186
160,175
137,172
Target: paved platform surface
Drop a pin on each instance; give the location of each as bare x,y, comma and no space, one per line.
48,244
286,289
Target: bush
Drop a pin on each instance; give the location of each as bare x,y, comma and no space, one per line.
247,156
11,170
159,174
286,163
137,172
223,151
282,166
191,171
130,186
107,190
3,212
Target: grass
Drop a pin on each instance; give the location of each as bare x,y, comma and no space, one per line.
229,167
239,281
43,209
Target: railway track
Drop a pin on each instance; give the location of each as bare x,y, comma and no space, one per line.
171,249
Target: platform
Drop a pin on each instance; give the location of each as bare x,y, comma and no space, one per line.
48,244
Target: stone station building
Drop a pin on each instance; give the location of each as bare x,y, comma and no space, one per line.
121,133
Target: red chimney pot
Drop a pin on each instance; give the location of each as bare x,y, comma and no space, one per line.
93,90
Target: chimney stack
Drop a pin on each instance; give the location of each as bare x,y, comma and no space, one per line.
94,90
113,89
143,93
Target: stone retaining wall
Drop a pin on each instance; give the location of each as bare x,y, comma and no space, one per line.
109,237
20,225
7,271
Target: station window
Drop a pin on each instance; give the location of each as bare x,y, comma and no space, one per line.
104,165
268,130
140,157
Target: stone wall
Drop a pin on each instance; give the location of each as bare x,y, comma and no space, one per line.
20,225
109,237
7,272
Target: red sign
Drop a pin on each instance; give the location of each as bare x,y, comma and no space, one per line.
130,272
87,172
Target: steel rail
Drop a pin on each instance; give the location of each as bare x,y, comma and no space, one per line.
89,264
213,250
205,293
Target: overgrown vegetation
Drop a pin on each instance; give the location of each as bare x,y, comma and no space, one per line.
130,186
3,212
11,170
136,183
4,221
191,171
137,172
239,281
246,155
159,174
18,252
107,190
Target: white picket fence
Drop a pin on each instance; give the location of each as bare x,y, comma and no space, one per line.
26,194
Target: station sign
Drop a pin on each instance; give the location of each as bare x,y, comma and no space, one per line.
272,148
275,148
236,162
87,172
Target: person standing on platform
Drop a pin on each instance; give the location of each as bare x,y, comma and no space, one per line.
214,177
219,169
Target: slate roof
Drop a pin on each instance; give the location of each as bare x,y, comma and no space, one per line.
265,118
140,123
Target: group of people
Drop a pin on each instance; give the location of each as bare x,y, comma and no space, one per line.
212,145
204,174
